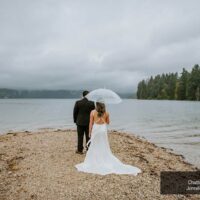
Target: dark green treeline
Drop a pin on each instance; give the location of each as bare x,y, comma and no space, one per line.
171,86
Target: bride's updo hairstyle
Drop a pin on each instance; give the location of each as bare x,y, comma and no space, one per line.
100,108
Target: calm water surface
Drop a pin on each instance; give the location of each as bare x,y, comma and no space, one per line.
171,124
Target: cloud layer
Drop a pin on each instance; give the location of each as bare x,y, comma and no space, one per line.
63,44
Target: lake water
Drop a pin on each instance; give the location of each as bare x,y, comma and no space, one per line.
171,124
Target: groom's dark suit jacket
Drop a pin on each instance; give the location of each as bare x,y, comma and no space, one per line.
82,111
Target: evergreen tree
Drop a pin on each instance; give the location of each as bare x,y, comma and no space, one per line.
194,83
142,90
182,86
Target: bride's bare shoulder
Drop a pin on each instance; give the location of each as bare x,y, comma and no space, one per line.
107,113
93,112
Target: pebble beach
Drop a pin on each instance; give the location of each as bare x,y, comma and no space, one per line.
40,165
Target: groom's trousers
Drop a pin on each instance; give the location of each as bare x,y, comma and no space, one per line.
82,130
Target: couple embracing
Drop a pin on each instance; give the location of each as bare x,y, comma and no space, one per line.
92,120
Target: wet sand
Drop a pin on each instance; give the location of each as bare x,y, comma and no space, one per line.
40,165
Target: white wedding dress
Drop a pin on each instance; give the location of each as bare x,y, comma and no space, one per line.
99,158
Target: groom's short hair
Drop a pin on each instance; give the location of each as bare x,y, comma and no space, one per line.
85,93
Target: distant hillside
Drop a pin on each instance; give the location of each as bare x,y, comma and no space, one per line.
128,95
57,94
10,93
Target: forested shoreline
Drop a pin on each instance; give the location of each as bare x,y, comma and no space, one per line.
171,86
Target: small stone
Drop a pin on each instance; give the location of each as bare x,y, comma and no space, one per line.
33,196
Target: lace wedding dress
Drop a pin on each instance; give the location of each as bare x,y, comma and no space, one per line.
99,158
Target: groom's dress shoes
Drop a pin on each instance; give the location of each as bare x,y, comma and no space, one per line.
79,152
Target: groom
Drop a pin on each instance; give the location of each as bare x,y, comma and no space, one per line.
82,109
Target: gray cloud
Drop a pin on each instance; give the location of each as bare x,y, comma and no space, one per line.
49,44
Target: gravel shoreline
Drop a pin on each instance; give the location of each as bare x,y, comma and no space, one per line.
40,165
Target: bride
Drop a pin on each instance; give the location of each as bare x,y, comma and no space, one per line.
99,158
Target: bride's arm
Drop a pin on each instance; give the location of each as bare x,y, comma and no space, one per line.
108,119
91,123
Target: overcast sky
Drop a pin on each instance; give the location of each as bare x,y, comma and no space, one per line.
87,44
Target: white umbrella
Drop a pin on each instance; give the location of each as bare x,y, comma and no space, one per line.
104,95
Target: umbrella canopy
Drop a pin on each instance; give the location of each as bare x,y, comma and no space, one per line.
104,95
